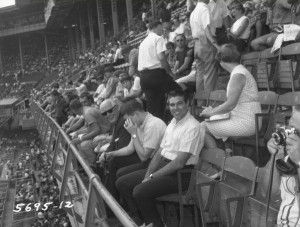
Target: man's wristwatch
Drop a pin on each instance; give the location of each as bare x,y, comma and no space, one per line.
133,136
151,176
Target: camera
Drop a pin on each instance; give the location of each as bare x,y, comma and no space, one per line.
281,133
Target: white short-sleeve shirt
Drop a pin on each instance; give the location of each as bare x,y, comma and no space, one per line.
151,132
187,135
218,12
200,18
149,49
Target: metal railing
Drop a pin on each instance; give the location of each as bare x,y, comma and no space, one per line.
87,194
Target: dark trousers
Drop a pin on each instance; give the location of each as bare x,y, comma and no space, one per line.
155,83
142,196
114,165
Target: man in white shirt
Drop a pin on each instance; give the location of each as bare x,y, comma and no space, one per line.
132,88
155,72
219,18
179,149
204,48
118,58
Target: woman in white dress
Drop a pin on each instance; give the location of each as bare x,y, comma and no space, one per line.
239,32
242,101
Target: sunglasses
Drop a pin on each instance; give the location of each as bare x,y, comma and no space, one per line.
108,111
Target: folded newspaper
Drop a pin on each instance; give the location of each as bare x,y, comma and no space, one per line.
219,117
290,32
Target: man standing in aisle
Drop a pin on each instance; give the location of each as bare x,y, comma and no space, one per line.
155,72
205,47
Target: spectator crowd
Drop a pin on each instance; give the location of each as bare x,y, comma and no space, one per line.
115,113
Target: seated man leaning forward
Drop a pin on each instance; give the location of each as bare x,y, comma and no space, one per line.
179,149
146,134
95,125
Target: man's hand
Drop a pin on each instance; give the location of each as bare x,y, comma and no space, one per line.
101,159
76,141
146,179
293,147
99,138
130,127
74,135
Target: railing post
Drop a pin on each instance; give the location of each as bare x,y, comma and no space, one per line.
50,139
53,161
93,199
66,173
46,130
43,124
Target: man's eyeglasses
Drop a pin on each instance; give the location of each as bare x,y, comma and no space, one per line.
179,40
108,111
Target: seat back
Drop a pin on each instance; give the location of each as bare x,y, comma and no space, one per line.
237,171
287,100
288,66
200,100
216,98
266,69
268,101
214,158
250,61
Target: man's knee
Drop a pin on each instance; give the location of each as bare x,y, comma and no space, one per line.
139,193
86,145
121,184
255,44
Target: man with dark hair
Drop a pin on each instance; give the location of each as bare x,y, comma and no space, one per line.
131,88
86,99
60,107
146,133
155,72
179,149
95,125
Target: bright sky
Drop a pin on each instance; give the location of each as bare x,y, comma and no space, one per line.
5,3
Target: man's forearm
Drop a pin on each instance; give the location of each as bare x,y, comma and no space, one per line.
91,135
76,125
134,94
165,64
140,149
121,152
170,168
154,164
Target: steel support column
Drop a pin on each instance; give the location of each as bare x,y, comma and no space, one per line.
129,13
153,8
77,37
114,11
1,66
91,24
100,22
21,55
46,48
82,29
